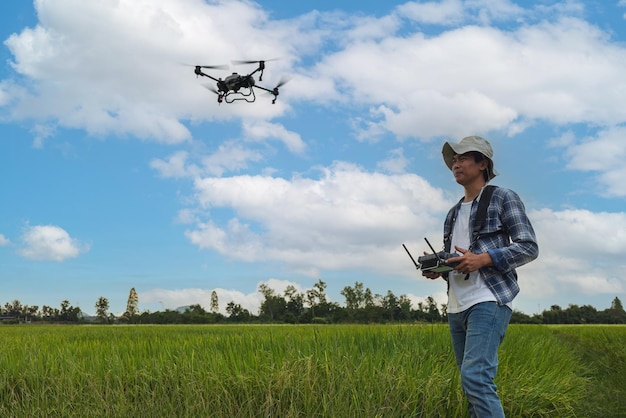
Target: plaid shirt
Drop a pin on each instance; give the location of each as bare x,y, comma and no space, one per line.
507,236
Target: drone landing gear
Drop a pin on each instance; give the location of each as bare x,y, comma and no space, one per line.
233,96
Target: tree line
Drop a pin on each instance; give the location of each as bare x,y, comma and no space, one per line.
294,307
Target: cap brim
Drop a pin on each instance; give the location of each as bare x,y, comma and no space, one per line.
448,154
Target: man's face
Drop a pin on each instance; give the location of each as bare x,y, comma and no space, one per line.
466,170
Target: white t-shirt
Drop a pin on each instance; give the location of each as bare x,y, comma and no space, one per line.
464,294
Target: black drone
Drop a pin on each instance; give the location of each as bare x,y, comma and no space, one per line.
236,86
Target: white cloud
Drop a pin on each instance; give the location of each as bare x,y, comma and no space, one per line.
584,235
446,12
229,156
4,241
579,252
346,218
484,12
4,93
396,162
115,70
49,242
603,154
175,166
261,130
485,78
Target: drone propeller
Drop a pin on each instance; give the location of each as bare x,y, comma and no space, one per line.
282,81
274,91
239,62
220,96
211,88
198,68
260,62
215,67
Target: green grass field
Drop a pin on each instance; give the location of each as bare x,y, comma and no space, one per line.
300,371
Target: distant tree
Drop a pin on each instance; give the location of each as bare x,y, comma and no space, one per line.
553,316
588,314
360,306
47,313
33,311
615,314
295,303
368,298
132,305
13,308
355,296
65,310
433,311
215,307
274,306
519,317
617,304
236,313
319,292
233,308
316,296
390,306
444,310
404,303
194,314
71,314
102,307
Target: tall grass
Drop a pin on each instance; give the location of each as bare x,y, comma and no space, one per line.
602,349
273,371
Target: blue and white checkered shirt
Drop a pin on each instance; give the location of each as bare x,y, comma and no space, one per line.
506,235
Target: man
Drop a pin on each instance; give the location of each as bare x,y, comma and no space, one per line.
484,282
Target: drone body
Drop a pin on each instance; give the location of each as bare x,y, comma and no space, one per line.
237,86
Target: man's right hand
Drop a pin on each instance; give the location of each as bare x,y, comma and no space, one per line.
430,275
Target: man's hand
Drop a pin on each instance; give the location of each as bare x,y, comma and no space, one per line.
430,275
468,261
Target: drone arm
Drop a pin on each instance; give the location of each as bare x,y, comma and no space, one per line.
256,71
273,91
200,73
260,68
263,88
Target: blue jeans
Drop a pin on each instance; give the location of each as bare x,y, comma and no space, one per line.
476,335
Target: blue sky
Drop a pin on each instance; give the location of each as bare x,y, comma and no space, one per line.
119,169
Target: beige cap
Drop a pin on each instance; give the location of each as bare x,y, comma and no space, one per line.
467,144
